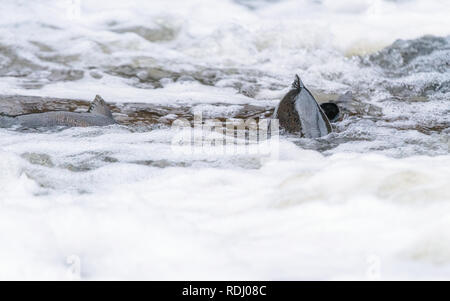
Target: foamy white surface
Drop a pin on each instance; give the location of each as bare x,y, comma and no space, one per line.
304,216
125,206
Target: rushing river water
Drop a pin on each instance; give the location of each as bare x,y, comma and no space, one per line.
369,201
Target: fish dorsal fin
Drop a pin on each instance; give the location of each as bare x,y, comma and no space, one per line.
98,106
297,84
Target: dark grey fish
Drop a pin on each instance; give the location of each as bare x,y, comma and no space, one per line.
299,112
97,115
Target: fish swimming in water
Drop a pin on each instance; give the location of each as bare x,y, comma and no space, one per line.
299,112
97,115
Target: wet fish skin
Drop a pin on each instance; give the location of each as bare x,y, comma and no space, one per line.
98,115
70,119
313,120
299,112
7,121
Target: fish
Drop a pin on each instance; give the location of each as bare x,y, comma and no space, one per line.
98,114
298,112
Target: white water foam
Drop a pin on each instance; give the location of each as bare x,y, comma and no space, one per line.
124,206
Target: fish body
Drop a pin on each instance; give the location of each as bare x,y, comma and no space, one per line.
299,112
97,115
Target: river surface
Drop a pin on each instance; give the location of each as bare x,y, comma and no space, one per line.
369,201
